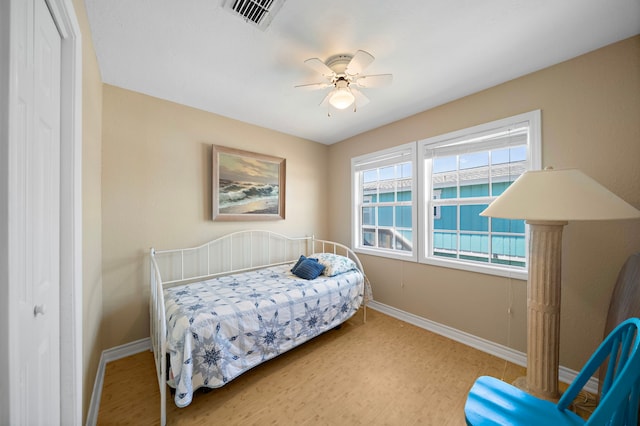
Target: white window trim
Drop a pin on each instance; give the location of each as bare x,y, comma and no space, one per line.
377,159
421,224
534,148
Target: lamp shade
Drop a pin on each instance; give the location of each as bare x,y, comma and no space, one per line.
559,195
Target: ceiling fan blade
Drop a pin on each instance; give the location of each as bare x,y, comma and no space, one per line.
359,62
361,99
377,80
313,86
325,100
319,66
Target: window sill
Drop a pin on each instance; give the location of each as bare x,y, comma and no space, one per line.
519,274
408,257
451,264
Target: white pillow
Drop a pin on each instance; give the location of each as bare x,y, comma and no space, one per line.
334,264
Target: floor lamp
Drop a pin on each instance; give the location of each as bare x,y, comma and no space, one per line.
547,200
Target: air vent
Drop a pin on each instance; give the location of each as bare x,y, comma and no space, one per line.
256,12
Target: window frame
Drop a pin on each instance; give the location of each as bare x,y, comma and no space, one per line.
395,155
533,162
422,226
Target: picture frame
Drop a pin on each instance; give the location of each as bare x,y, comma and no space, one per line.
247,186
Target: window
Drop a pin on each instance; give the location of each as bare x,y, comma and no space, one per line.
448,180
463,172
385,208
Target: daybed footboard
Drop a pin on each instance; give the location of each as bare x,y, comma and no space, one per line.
209,268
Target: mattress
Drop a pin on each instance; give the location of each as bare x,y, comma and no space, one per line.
220,328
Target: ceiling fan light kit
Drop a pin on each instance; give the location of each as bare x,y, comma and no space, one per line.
343,73
342,97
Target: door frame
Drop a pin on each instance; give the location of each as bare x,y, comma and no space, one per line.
71,360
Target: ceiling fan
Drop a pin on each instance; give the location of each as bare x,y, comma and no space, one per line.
343,73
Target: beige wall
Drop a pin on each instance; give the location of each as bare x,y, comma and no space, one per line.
591,121
156,191
91,208
146,182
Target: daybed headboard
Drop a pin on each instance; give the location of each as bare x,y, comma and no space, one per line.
239,251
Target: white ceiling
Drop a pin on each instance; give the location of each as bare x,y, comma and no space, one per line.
196,53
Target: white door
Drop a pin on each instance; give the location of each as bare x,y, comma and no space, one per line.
40,213
41,309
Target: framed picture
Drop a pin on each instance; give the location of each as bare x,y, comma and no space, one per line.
247,186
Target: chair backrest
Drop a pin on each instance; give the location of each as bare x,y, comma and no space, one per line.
621,387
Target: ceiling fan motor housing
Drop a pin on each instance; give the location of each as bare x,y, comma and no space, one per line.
341,83
338,63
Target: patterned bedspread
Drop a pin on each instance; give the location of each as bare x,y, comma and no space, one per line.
220,328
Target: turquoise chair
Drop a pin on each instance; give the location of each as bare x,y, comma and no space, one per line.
494,402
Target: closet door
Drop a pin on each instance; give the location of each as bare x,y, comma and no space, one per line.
37,216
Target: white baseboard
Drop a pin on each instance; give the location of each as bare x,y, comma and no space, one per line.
565,375
109,355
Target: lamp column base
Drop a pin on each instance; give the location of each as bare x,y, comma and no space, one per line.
543,308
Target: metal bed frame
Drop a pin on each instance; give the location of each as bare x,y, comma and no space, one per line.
232,253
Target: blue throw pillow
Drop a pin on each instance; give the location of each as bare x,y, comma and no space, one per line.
309,269
300,259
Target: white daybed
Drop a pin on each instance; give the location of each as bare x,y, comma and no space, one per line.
219,309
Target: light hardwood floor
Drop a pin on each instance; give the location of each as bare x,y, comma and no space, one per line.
384,372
